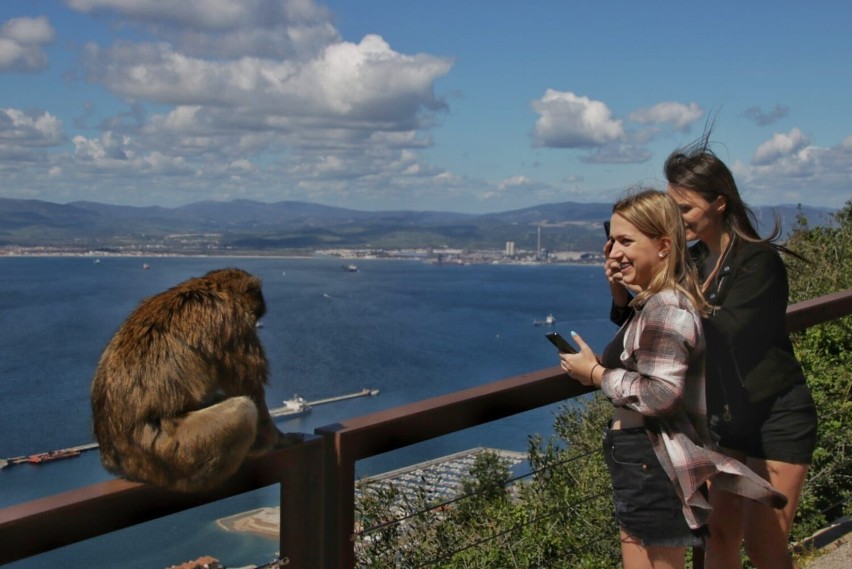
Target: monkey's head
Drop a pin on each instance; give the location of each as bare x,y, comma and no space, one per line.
246,287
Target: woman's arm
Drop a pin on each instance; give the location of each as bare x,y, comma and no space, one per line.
755,300
668,337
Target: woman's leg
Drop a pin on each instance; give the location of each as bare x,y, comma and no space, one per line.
722,550
634,555
768,530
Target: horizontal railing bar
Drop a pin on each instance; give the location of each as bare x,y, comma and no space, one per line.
401,426
69,517
818,310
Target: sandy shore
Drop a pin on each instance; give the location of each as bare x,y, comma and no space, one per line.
262,521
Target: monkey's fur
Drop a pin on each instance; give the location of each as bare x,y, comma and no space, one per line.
178,394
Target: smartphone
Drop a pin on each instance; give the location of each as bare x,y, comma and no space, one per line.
561,343
606,229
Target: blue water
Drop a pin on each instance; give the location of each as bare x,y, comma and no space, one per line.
410,329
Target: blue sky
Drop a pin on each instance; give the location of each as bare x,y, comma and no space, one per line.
463,105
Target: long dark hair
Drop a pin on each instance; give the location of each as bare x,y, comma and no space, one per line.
696,167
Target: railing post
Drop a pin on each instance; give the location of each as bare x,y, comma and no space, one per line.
302,520
339,507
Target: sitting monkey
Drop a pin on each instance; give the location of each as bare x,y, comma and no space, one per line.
178,394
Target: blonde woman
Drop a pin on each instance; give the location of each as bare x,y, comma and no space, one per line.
658,447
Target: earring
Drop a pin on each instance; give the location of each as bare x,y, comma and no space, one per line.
661,254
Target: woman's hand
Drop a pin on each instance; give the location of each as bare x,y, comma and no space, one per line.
612,270
583,366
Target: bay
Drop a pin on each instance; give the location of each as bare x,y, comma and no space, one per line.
410,329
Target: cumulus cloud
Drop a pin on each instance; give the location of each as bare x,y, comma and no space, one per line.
762,118
227,28
364,85
570,121
22,42
779,146
258,96
29,128
789,168
678,115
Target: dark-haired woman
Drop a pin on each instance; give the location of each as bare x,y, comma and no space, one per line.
758,402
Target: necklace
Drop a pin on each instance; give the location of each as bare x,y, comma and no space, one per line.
719,262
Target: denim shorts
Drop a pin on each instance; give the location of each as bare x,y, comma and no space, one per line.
646,505
782,427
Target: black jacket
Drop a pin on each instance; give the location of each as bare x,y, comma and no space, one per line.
746,335
747,339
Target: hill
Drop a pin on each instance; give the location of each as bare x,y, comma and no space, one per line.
293,226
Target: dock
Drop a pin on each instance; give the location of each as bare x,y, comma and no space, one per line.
48,456
299,406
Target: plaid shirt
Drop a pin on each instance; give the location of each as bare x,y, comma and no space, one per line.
663,379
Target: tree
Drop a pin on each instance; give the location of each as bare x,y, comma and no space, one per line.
825,352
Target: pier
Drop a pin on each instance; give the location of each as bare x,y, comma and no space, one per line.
48,456
299,406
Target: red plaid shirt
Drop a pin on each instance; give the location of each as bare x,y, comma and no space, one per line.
663,379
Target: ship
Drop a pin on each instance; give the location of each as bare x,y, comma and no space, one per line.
350,268
293,407
48,456
549,320
40,457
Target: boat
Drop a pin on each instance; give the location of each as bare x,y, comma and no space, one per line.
50,455
293,407
350,268
549,320
145,266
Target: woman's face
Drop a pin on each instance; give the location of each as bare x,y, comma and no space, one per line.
702,219
639,256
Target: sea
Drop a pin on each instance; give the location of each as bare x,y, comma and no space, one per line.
407,328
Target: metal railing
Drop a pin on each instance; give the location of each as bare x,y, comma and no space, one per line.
317,477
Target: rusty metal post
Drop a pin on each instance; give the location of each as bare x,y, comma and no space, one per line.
301,521
339,500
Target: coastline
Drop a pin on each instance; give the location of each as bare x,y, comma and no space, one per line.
432,256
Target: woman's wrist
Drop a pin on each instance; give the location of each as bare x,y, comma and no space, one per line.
592,374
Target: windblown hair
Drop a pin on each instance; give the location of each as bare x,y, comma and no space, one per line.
657,215
696,167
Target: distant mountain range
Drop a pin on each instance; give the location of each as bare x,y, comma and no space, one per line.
250,226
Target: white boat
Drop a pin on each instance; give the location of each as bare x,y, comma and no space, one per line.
550,320
350,268
294,406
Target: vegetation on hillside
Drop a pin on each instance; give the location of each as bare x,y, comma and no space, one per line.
560,515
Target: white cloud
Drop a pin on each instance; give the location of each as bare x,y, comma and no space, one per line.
571,121
227,28
680,116
363,86
29,128
21,44
515,182
779,146
788,168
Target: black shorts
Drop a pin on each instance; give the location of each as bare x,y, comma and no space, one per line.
646,505
782,427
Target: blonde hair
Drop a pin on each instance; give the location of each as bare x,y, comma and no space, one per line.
657,215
